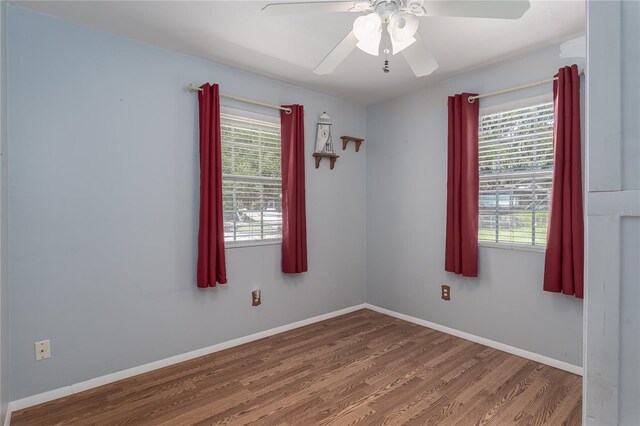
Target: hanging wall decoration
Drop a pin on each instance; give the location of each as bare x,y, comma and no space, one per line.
324,142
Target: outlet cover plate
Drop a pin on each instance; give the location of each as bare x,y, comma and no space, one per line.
446,292
256,297
43,350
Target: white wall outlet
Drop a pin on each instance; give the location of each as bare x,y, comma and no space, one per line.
43,350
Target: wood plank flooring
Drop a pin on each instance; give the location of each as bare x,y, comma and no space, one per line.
362,368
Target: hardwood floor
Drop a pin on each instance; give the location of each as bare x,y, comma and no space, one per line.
359,368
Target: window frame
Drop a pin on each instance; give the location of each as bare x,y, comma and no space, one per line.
505,107
252,115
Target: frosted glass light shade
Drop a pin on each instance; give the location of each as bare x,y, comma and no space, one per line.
399,46
367,30
367,27
372,47
403,26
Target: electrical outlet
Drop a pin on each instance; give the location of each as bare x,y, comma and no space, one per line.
43,350
446,292
256,297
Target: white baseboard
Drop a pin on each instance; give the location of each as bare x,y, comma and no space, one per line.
562,365
113,377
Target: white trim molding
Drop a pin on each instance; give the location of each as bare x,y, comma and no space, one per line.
611,201
120,375
562,365
41,398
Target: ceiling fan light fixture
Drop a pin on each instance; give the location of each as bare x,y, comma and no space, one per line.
367,27
396,21
372,47
368,31
399,46
403,26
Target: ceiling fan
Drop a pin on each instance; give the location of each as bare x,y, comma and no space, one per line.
391,26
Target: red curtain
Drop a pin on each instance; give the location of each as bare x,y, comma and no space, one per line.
461,254
564,259
294,222
211,260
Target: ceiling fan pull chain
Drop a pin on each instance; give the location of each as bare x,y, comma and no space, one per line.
385,50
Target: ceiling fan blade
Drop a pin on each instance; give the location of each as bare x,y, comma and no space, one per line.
307,7
500,9
420,58
337,55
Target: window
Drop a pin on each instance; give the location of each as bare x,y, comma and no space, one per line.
516,167
251,179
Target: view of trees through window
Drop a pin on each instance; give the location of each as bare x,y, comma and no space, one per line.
516,167
251,182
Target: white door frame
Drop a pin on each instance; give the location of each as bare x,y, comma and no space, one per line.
606,206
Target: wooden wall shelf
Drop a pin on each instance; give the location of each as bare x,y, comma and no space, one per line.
332,159
347,139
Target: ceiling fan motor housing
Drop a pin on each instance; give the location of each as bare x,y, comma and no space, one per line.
386,8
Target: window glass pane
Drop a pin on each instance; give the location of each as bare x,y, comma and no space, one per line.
251,180
516,166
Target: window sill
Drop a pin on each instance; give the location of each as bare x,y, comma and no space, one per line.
537,249
251,244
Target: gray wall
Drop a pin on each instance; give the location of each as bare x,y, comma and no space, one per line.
406,216
103,204
4,282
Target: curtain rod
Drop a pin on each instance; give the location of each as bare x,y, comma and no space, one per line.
513,89
194,89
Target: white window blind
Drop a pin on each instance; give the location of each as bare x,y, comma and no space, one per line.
516,167
251,180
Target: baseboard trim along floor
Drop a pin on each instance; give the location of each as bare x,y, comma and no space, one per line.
542,359
41,398
113,377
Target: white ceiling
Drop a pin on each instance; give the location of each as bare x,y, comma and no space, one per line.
289,47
